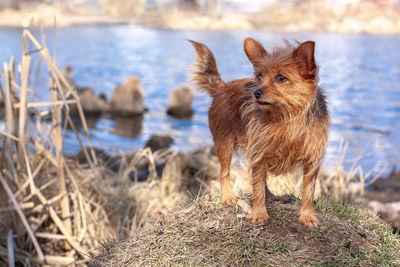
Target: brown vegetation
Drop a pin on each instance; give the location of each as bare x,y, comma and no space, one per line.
42,196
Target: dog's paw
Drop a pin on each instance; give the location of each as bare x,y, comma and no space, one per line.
257,217
308,220
229,200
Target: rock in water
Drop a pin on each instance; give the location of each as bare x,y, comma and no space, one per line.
157,142
91,103
127,99
180,103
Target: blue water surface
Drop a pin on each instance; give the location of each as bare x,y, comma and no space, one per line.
359,73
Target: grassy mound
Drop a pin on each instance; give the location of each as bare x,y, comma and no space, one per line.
206,233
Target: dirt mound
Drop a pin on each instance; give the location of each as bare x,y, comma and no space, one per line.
206,234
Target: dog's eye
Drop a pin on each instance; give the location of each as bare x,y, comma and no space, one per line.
280,78
259,76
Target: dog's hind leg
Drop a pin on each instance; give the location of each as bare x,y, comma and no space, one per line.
224,150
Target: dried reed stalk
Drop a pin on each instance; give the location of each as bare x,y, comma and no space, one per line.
22,217
58,142
54,260
45,104
26,62
12,82
10,246
9,113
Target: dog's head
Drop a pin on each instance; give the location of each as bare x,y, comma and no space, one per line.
286,77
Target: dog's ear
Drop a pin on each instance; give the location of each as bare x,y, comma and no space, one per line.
254,51
304,56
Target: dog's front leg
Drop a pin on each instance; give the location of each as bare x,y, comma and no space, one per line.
307,203
259,211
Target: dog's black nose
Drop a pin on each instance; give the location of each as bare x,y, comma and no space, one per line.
258,93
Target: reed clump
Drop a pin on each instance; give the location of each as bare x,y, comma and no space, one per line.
45,209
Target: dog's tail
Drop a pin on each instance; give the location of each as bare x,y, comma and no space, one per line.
206,75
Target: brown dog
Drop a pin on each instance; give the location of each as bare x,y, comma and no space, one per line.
279,118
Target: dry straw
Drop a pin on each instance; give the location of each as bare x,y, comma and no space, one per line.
37,204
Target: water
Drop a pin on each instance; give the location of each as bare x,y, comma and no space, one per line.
360,74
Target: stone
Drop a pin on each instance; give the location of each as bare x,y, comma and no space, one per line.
180,103
91,103
389,212
127,99
157,142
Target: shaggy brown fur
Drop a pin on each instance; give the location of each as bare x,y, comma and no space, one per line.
279,118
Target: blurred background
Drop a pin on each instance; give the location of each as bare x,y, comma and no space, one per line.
373,16
105,42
